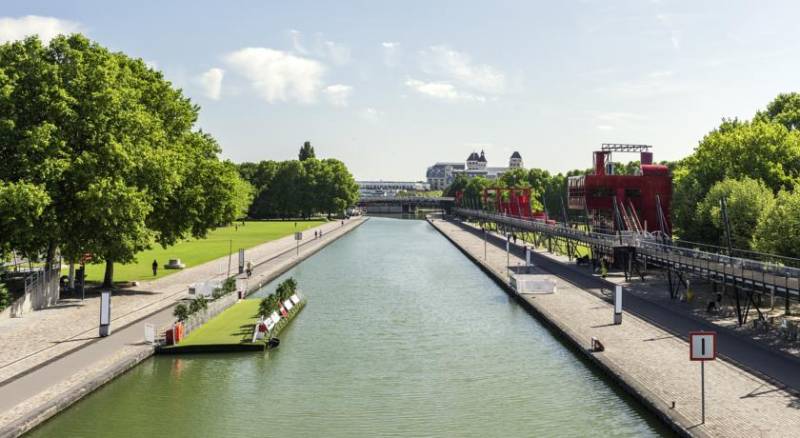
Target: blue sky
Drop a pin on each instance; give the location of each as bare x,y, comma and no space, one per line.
392,87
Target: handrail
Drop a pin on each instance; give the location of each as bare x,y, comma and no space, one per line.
645,242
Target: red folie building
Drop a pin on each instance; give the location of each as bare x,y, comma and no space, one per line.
642,200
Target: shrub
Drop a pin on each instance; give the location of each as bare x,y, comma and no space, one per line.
198,304
181,312
228,286
267,305
5,297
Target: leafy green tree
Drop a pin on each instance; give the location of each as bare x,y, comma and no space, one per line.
784,109
778,231
306,151
747,201
267,305
338,186
473,192
112,145
22,205
761,150
459,184
181,312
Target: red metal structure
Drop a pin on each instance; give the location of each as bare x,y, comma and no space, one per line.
510,201
642,200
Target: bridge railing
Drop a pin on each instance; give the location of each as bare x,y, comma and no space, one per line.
645,243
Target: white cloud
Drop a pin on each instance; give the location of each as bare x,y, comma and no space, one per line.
278,76
296,37
151,64
371,114
390,53
211,83
46,27
657,83
457,66
338,94
604,127
337,53
442,90
674,33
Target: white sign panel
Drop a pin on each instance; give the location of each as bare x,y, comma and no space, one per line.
105,308
298,236
288,305
702,345
149,333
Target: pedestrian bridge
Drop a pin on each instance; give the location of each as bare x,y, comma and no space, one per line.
404,204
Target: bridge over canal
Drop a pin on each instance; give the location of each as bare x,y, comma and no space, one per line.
404,204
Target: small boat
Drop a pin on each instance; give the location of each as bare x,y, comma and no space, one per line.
273,342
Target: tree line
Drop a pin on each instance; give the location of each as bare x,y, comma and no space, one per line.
299,188
754,165
100,155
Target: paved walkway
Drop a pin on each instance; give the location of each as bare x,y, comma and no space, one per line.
55,354
652,361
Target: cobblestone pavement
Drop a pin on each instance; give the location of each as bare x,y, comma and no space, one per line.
35,396
652,361
40,336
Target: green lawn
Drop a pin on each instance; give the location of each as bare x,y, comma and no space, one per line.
232,326
195,252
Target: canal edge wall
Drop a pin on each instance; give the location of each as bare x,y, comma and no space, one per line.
43,412
676,422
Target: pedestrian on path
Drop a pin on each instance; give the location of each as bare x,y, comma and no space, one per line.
249,268
155,268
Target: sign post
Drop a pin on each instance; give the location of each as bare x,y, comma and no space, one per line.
618,305
702,347
241,260
298,236
105,313
484,244
508,257
527,256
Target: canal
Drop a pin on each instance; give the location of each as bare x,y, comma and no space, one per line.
402,336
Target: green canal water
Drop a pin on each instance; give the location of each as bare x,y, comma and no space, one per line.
402,336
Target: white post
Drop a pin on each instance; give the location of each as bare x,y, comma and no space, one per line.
618,305
105,313
527,256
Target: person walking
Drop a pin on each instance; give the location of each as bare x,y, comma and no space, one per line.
155,268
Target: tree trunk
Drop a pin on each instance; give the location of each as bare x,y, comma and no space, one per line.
71,283
50,257
108,279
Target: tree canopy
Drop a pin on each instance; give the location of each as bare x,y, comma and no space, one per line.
107,149
766,149
299,188
306,151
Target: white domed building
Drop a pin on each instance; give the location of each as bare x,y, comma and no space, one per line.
442,174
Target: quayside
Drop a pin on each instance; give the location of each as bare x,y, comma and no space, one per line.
402,336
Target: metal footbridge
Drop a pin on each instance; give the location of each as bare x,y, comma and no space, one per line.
639,250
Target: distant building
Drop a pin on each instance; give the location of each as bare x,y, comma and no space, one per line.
390,188
441,175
